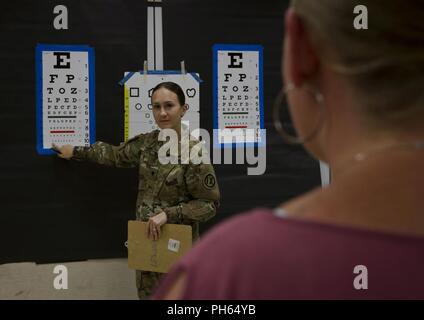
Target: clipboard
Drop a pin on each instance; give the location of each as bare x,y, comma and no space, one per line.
157,256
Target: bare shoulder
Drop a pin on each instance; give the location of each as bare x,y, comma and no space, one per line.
373,205
310,205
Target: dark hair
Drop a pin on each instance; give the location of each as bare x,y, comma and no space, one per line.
175,88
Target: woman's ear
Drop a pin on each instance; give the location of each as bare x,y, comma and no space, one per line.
300,60
185,108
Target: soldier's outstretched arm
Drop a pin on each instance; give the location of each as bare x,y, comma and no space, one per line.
126,155
203,187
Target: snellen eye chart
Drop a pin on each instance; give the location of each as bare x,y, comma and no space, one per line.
138,88
65,103
238,94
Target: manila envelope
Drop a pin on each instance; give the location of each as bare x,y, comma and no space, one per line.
158,256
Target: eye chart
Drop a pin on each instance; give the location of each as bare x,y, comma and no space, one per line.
65,96
138,92
238,94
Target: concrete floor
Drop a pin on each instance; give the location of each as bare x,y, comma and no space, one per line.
87,280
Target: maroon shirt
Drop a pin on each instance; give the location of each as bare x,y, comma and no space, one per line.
258,255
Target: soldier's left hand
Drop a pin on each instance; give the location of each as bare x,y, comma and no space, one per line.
154,224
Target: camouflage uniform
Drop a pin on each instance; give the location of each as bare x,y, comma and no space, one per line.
188,193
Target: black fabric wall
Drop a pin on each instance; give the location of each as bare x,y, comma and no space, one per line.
53,210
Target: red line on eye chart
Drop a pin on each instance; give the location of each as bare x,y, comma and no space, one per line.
236,127
61,131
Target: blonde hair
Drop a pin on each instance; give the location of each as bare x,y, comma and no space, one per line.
385,63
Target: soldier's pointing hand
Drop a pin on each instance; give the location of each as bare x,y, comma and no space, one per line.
65,152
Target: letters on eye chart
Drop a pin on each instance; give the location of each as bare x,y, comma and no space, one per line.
65,96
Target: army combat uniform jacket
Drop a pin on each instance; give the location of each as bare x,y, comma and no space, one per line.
188,193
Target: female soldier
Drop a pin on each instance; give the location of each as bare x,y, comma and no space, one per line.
170,193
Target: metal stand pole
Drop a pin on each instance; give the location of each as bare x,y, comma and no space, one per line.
154,35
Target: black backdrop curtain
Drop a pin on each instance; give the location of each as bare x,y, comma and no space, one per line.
54,210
